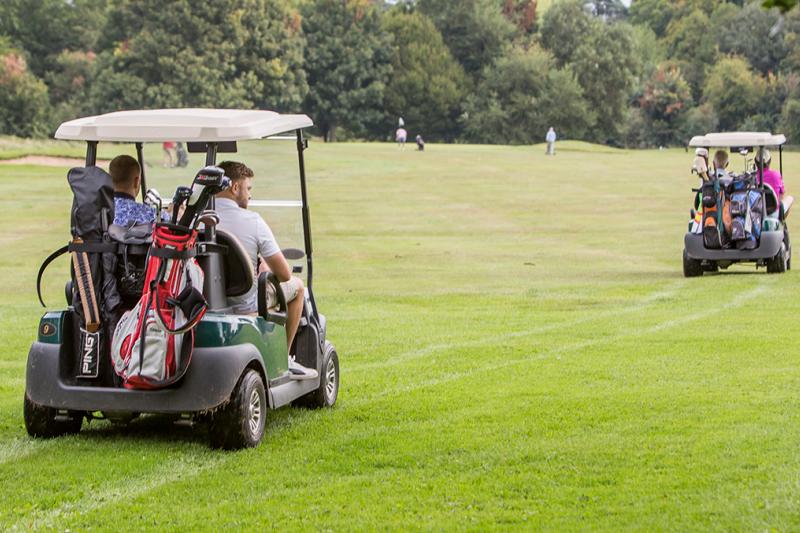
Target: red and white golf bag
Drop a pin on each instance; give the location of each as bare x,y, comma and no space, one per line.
153,342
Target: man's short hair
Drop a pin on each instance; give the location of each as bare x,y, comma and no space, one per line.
235,170
123,170
720,159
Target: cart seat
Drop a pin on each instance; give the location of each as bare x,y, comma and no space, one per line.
239,275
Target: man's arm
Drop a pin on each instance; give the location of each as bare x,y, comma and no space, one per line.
271,252
279,266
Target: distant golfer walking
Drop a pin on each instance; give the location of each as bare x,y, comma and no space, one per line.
551,141
400,136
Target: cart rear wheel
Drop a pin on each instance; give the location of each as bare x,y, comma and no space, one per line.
240,422
778,264
328,391
46,422
691,267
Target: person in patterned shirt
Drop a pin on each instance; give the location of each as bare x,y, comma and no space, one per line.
126,178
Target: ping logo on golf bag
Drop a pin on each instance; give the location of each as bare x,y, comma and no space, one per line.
90,354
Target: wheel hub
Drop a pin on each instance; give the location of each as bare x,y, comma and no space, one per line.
254,412
330,381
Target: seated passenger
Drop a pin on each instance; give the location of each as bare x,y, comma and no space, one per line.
126,178
721,164
774,179
258,240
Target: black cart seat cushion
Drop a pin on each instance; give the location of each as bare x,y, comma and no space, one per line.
239,275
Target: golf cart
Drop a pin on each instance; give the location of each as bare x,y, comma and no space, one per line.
737,217
238,366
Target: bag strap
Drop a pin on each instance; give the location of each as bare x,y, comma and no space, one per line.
93,247
168,253
83,276
50,258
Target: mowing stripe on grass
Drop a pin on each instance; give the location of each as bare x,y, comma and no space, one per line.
737,301
112,493
433,348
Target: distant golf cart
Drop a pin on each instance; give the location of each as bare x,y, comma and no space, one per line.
238,369
737,218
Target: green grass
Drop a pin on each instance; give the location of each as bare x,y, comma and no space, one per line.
518,346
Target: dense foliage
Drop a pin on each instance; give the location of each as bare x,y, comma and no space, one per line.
488,71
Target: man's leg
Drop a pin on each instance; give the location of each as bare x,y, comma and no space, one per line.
294,311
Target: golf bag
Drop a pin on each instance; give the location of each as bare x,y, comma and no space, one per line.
93,294
153,342
711,218
747,217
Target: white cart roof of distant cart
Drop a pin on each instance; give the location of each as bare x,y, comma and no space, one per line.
738,139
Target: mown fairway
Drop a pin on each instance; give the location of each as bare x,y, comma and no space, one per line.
519,351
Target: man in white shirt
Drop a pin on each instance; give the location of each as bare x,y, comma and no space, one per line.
264,253
550,137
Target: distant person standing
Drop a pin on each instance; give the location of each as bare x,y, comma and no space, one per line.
170,155
400,136
551,141
420,143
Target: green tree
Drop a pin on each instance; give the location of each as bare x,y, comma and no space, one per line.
602,56
790,120
428,85
693,47
665,101
24,102
43,29
759,36
734,91
783,5
348,62
476,31
656,14
231,53
521,95
565,27
699,120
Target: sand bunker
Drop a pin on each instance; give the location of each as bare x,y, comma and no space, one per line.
50,161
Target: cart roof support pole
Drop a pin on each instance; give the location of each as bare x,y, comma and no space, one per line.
140,157
302,145
91,153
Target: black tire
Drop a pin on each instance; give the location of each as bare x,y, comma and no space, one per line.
240,422
778,264
45,422
788,243
692,268
328,391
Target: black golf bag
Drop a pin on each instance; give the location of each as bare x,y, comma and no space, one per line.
92,294
95,298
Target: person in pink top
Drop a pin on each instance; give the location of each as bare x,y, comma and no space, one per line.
774,179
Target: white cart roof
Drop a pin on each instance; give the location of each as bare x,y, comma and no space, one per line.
738,138
189,125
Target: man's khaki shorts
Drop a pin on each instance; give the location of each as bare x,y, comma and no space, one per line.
290,290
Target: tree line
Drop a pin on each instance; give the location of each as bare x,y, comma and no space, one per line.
488,71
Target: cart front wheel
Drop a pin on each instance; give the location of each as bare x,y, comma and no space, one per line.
328,391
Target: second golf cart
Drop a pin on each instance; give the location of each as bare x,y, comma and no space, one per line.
238,368
737,217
